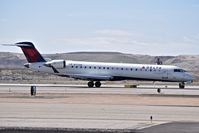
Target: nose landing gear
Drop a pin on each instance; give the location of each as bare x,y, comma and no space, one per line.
182,85
91,84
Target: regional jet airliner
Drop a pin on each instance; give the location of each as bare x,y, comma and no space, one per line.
95,72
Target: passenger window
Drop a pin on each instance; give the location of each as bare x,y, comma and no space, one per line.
90,67
176,70
179,70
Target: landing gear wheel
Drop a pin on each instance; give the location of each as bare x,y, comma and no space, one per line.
97,84
90,84
181,85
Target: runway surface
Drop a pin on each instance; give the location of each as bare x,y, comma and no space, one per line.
105,89
110,107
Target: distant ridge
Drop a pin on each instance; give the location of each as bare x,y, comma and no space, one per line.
94,52
188,62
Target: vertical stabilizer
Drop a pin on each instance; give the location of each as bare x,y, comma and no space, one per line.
31,53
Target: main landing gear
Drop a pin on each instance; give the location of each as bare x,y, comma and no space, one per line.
182,85
91,84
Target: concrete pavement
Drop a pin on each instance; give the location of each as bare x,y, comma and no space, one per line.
96,108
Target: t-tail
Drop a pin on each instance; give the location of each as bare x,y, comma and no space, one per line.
31,53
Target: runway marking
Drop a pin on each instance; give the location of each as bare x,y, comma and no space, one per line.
149,125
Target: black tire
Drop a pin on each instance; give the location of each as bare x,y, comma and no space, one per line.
90,84
181,85
97,84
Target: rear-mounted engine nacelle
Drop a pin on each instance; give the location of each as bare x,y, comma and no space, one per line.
59,64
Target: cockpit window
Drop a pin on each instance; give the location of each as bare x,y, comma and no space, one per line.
179,70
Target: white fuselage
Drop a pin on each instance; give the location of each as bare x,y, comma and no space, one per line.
116,71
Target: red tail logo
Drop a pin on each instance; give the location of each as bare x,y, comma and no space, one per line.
31,53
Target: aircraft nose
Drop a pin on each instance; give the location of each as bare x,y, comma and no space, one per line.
193,78
189,77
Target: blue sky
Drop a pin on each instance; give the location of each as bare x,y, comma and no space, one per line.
154,27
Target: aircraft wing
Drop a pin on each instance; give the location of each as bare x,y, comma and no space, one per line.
91,77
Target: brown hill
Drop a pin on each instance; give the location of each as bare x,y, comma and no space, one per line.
188,62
